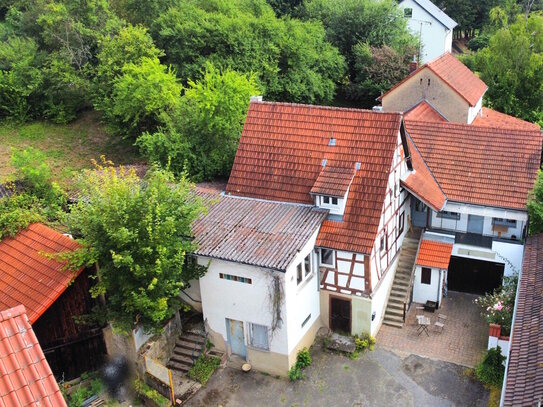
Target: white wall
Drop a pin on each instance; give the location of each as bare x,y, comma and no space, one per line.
380,297
510,254
475,110
338,209
435,37
428,292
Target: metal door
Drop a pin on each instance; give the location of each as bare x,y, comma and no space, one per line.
340,315
236,337
475,224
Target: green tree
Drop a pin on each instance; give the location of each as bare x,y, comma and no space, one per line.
535,207
130,45
512,67
292,59
202,135
138,232
143,92
286,7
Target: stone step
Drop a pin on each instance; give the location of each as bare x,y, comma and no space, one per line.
395,324
396,309
398,291
179,367
182,360
397,296
397,316
178,350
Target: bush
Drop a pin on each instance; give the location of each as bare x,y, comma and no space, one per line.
146,391
303,359
204,368
497,307
295,373
491,370
364,342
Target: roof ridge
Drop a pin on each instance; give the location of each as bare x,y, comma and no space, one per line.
339,108
470,126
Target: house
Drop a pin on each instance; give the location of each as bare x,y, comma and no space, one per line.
442,87
52,298
307,233
523,382
430,25
26,378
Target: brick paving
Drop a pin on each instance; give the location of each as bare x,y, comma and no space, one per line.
463,340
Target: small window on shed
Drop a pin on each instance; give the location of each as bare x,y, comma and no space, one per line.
408,12
326,199
426,276
334,201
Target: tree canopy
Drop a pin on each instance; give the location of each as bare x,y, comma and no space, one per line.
138,232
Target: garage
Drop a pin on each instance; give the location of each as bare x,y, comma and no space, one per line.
474,276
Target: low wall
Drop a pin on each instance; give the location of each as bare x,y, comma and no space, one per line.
495,339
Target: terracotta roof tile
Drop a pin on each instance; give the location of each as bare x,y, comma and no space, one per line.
280,157
25,376
455,74
253,231
27,276
424,111
333,181
480,165
524,382
492,118
421,181
434,254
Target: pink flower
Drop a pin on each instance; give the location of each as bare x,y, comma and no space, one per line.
498,306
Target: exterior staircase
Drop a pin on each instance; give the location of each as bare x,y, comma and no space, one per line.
401,286
188,348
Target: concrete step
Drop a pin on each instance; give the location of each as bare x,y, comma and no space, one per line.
179,367
398,291
394,317
390,322
178,350
396,297
182,360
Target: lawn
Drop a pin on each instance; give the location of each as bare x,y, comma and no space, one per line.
68,148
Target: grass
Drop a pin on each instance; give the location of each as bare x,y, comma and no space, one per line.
68,148
203,368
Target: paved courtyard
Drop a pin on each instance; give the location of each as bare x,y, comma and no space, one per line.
376,379
463,340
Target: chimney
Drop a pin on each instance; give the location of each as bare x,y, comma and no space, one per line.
256,99
413,65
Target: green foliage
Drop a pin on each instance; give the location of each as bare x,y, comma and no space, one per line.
204,367
291,57
143,92
148,392
512,67
303,359
202,135
535,206
364,342
139,232
286,7
479,42
497,307
82,391
491,370
17,212
295,373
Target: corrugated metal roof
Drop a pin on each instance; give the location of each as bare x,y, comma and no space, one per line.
252,231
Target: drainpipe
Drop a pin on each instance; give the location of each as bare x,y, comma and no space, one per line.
439,288
502,398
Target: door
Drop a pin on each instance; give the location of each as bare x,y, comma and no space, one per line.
474,276
236,337
340,315
419,214
475,224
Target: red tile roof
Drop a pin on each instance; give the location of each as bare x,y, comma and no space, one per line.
434,254
425,112
30,278
524,381
333,181
456,75
25,376
421,181
480,165
280,157
492,118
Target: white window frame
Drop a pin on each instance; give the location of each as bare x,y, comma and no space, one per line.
448,215
251,336
333,264
510,223
301,268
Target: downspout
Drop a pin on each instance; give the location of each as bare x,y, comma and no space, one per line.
439,288
502,398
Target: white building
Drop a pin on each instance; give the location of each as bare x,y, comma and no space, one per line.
431,25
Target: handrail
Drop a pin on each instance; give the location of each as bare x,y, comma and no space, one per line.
411,279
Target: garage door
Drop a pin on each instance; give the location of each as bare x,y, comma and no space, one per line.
473,276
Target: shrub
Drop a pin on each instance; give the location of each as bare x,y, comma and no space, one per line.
498,306
204,368
303,359
146,391
491,370
295,373
363,342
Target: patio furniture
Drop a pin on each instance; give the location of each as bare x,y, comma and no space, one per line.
423,322
441,318
430,306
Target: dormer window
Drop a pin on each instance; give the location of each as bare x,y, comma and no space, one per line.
329,200
331,189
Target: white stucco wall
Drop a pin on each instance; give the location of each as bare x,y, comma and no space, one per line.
435,37
428,292
475,110
379,298
510,254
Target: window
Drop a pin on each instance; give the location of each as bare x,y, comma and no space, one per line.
259,336
426,276
327,258
504,222
408,12
307,265
235,278
329,200
401,222
334,201
326,199
306,320
448,215
299,274
382,244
